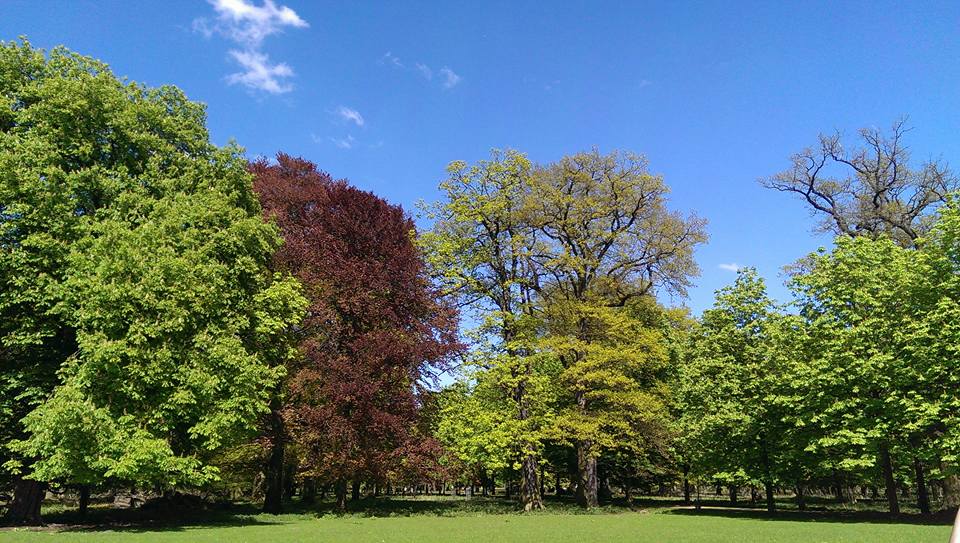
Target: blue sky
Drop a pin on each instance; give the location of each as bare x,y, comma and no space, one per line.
716,94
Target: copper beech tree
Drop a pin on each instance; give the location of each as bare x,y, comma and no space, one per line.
375,330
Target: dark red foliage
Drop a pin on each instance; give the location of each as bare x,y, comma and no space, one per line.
375,330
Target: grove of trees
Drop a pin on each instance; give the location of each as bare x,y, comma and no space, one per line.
176,318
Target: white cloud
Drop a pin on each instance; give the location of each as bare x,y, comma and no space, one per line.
450,79
734,267
425,71
390,58
350,115
259,73
247,25
344,143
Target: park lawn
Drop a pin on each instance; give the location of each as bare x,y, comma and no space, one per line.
660,526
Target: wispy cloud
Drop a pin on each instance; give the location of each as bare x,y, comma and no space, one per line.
425,71
450,78
391,59
350,115
344,143
733,266
247,25
447,77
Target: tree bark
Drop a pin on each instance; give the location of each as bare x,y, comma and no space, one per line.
340,488
309,490
587,476
887,465
24,510
801,501
686,484
530,484
951,488
768,477
273,498
84,500
771,502
733,495
923,498
355,490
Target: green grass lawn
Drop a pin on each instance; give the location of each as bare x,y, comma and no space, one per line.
416,521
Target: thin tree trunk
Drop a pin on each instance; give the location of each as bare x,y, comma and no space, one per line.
686,484
801,501
887,465
340,488
768,477
273,498
923,498
733,495
543,480
84,500
24,510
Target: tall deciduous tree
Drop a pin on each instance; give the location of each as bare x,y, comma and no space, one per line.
481,247
861,302
730,423
871,190
608,238
136,301
375,329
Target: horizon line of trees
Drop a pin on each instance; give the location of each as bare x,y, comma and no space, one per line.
173,316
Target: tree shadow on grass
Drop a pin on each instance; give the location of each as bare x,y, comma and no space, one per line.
872,517
397,506
101,519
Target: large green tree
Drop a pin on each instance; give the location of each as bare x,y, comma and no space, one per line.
861,302
730,421
140,328
608,238
481,248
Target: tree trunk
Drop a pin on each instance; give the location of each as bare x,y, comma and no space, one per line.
733,495
340,488
771,503
801,501
529,484
289,481
543,480
586,475
686,484
768,477
923,498
557,488
309,490
84,500
887,465
355,491
273,498
24,510
951,488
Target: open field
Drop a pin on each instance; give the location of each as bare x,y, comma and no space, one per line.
445,520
